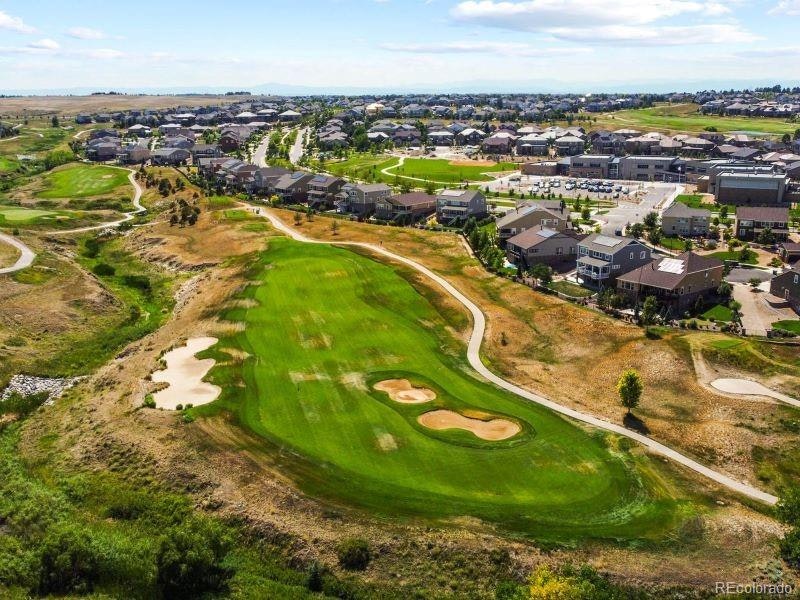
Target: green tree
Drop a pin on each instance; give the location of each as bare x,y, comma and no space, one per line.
353,554
651,220
54,121
649,310
69,562
190,559
654,236
630,388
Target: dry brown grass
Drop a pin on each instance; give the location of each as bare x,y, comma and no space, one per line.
72,105
8,255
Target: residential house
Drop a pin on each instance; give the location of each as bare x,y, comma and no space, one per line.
498,144
789,252
602,258
681,220
787,286
205,151
134,154
169,156
322,191
542,245
752,220
405,208
547,214
677,283
264,179
533,144
361,199
139,130
457,205
569,145
293,187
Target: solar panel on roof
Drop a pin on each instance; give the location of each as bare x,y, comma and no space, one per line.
452,192
604,240
546,233
671,265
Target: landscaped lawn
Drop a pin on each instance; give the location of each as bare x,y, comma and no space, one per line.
570,289
718,313
734,255
362,167
672,243
441,170
692,200
80,181
791,325
322,325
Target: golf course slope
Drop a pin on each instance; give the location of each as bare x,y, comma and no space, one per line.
322,326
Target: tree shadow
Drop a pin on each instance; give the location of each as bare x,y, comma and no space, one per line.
633,422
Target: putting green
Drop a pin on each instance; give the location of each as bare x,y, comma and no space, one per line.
20,215
81,181
323,325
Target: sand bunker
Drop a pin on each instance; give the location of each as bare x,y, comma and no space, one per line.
184,374
493,430
401,390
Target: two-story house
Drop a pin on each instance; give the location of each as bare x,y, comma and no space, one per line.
679,219
322,191
405,208
787,286
548,214
360,199
542,245
602,258
677,283
456,206
752,220
293,187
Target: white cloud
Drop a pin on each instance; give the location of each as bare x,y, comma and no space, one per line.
45,44
14,23
86,33
786,7
624,22
485,47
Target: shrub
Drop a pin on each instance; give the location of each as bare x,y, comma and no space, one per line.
149,401
103,270
353,554
140,282
68,562
190,560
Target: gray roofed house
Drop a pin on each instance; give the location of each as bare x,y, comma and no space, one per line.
679,219
293,187
546,213
457,205
602,258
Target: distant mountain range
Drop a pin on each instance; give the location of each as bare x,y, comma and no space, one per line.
466,87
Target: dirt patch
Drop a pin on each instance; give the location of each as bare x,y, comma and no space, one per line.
184,374
401,390
493,430
472,163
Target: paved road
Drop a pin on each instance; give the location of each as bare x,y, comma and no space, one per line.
260,154
473,355
26,254
653,199
746,387
296,151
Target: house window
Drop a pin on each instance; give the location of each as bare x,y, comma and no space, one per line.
559,251
615,267
631,255
796,278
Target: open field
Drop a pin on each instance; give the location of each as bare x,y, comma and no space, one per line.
72,105
441,170
684,118
363,167
309,387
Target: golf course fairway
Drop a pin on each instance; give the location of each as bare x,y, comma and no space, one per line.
320,326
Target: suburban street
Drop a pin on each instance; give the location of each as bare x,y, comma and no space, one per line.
260,154
296,151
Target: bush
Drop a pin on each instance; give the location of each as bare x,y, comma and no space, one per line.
140,282
190,559
149,401
103,270
353,554
68,562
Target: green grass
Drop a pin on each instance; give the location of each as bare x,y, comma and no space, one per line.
792,326
672,243
363,167
327,324
435,169
570,289
81,181
718,313
685,118
692,200
18,216
734,255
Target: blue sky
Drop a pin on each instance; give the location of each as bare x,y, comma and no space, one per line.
381,44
